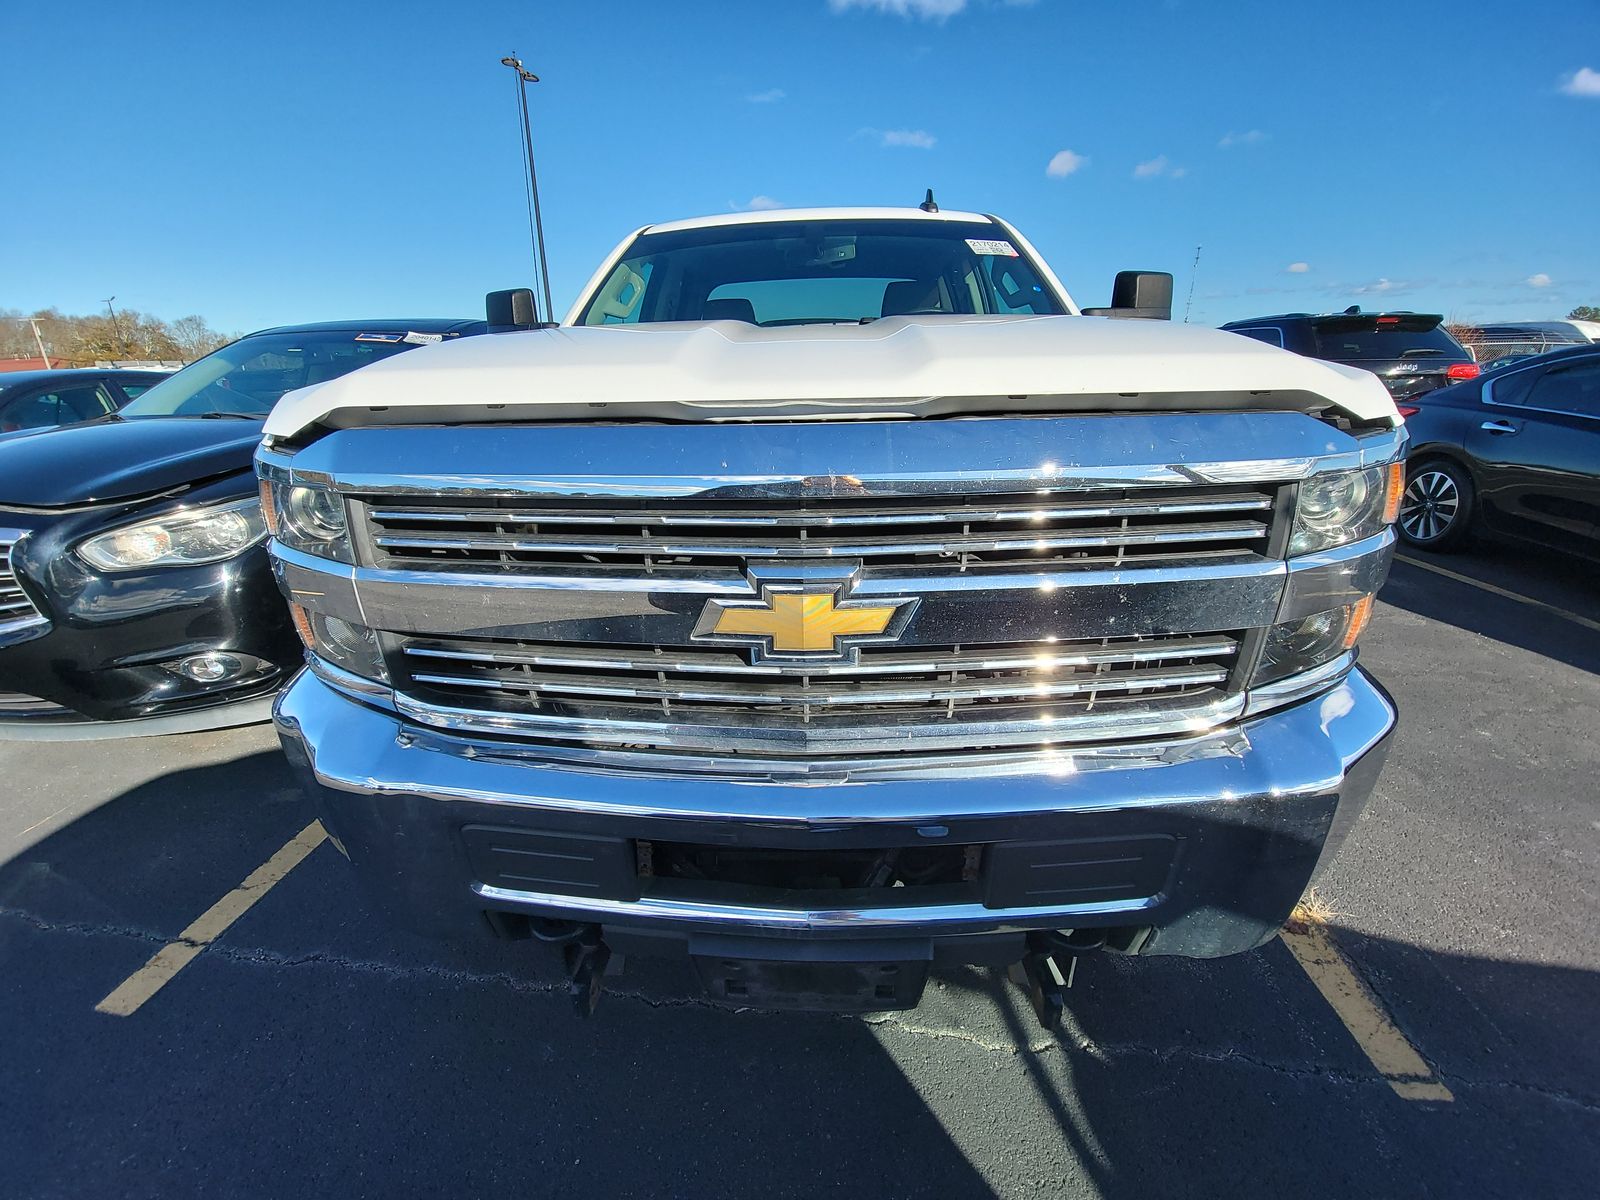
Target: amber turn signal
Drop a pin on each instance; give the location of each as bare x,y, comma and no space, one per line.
1360,616
1394,489
302,625
269,509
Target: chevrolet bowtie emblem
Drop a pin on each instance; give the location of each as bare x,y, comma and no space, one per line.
804,618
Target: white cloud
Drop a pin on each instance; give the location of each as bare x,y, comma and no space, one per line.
1064,163
1158,166
1298,268
1539,280
927,10
770,96
1582,82
919,138
1249,137
758,204
1379,288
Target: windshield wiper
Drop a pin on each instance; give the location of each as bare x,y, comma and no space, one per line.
1419,350
217,415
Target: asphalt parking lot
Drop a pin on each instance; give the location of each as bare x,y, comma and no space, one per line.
307,1049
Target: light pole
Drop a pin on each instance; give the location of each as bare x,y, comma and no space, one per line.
44,355
541,266
116,327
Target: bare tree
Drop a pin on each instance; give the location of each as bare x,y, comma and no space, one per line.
194,338
94,337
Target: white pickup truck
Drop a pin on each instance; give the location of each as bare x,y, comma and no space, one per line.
828,597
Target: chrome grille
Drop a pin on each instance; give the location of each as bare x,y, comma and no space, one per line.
1134,525
616,694
16,610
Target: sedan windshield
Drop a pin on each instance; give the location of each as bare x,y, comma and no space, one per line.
246,378
819,272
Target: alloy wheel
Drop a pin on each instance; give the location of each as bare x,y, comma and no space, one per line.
1430,506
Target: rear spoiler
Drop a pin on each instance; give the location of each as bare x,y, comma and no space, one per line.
1400,322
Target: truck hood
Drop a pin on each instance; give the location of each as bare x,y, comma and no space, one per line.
117,459
896,367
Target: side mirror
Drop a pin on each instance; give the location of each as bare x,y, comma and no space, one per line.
511,309
1142,295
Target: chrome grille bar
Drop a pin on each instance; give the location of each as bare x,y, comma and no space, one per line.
856,696
911,515
879,662
819,547
693,534
945,685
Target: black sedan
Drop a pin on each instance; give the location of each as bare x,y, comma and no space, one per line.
40,400
1516,452
134,584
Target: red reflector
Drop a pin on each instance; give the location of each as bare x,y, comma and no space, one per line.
1408,410
1464,371
1388,320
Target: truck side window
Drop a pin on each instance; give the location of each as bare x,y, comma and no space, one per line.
621,298
1013,294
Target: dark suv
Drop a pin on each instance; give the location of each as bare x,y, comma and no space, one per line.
1411,352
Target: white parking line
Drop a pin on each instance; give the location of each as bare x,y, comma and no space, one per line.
149,979
1563,613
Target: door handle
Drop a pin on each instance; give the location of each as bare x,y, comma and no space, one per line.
1498,427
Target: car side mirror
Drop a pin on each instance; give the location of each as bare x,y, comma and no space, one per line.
511,309
1140,295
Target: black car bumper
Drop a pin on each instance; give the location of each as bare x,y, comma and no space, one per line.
105,647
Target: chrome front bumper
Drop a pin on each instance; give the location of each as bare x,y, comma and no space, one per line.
1250,809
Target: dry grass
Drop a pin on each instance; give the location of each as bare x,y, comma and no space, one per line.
1312,911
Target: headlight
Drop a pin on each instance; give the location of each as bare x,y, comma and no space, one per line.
1345,506
343,643
307,518
180,539
1297,646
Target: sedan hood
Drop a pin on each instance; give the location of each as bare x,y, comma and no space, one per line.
896,367
121,460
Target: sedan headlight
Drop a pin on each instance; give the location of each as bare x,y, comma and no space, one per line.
1345,506
307,518
179,539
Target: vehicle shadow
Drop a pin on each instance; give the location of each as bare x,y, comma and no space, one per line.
312,1049
1167,1080
1541,576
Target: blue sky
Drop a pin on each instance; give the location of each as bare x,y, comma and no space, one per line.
292,161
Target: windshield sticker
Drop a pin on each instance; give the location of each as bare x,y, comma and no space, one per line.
1002,249
422,339
390,338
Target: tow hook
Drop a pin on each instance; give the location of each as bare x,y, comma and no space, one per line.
586,957
1046,972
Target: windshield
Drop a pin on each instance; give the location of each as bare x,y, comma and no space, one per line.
818,272
246,378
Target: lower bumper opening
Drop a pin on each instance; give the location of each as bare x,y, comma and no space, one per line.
1022,874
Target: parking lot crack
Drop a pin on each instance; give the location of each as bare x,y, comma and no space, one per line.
82,928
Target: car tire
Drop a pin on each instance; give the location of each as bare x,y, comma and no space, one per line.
1436,508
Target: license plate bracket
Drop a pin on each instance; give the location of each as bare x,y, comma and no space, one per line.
866,986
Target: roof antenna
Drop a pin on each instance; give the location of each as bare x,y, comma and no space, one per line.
928,205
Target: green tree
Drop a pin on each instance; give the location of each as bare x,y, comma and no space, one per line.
1585,312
